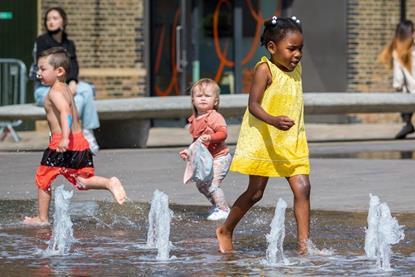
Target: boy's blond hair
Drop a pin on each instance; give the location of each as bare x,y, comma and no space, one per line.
58,57
203,84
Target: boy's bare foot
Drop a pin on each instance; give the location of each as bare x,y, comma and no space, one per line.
117,190
224,239
34,221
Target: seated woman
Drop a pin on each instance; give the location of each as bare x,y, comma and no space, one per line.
55,22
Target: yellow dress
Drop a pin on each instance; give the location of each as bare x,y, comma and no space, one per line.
264,150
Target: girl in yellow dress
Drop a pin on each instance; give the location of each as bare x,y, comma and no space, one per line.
272,140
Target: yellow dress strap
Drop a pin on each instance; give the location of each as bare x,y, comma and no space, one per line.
271,66
274,69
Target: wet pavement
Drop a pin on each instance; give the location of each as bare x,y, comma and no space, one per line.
111,241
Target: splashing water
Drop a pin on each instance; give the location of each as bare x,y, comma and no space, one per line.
383,231
312,250
119,249
390,232
159,219
62,233
275,239
371,237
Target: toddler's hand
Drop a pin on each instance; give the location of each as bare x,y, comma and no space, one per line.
283,123
63,145
205,138
184,154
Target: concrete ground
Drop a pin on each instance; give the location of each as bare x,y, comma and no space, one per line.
168,137
348,162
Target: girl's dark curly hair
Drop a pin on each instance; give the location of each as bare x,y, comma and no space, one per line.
276,29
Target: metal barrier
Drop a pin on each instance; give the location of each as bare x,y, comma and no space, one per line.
12,91
12,82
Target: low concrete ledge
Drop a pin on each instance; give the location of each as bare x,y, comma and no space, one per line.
24,111
235,105
125,122
231,105
345,102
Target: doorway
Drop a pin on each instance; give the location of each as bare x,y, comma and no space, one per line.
193,39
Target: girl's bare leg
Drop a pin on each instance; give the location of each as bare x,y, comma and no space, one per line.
246,200
97,182
300,186
44,197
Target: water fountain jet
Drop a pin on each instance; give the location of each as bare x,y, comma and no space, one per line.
382,232
62,233
159,219
275,239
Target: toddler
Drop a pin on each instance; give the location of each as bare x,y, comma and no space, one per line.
209,126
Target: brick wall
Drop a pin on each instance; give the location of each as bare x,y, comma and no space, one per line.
371,24
110,46
410,9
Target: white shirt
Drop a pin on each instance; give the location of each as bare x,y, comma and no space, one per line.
399,71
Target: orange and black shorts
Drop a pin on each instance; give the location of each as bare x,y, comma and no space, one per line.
75,161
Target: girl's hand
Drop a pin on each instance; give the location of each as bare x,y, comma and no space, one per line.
63,145
283,123
205,138
184,154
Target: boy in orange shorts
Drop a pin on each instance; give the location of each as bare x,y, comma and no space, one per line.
68,152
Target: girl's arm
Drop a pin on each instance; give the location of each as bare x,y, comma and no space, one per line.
219,135
218,124
262,79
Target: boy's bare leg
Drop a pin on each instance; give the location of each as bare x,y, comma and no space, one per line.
300,185
44,197
246,200
112,184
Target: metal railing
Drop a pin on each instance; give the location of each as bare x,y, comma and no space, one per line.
12,91
13,81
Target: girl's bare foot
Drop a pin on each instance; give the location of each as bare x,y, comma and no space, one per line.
302,248
117,190
224,239
34,221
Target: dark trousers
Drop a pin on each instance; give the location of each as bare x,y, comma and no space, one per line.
407,118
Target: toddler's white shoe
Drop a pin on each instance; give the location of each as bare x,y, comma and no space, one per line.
93,145
218,214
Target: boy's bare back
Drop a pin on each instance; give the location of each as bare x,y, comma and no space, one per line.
61,99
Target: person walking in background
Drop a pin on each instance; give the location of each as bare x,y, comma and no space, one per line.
399,55
55,22
272,140
209,126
